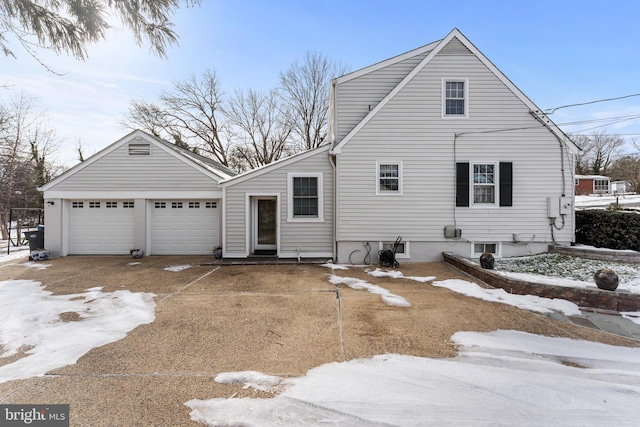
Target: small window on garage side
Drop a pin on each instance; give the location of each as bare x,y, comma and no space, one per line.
211,205
194,205
127,205
94,204
160,205
111,204
77,205
176,205
139,149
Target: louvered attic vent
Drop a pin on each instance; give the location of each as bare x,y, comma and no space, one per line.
138,149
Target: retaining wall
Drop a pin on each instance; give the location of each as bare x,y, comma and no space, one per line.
631,257
594,298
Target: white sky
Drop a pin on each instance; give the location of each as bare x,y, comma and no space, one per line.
557,53
498,378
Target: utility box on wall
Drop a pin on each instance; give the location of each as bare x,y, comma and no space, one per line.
451,232
566,203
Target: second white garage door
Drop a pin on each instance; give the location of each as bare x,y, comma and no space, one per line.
184,227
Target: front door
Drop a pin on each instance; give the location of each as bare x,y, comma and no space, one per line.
265,225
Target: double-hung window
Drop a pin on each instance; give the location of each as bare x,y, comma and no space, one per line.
484,183
305,196
455,98
389,178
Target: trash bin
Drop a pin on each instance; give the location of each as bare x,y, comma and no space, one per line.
35,238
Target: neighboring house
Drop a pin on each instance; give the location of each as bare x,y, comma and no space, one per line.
435,145
138,193
592,184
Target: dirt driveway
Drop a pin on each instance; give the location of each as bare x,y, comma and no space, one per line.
276,319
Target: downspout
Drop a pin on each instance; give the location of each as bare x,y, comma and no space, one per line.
332,160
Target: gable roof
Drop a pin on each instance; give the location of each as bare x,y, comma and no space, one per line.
209,167
434,48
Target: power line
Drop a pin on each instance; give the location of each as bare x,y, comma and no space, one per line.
553,110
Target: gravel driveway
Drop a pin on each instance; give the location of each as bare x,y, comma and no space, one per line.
276,319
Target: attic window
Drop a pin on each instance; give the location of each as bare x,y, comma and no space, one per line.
139,149
455,99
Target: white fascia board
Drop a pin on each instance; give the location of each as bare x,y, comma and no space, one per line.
133,194
254,173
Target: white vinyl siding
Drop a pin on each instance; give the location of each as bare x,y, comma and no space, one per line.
120,171
357,97
411,127
310,236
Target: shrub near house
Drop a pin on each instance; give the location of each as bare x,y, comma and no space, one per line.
608,229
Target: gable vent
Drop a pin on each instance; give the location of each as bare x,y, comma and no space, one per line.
139,149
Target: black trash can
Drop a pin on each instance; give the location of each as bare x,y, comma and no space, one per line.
35,238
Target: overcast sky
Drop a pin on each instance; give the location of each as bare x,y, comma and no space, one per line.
557,52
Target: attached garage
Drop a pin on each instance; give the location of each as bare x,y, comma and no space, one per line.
184,227
100,227
141,192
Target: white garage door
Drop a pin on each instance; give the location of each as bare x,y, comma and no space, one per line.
184,227
99,227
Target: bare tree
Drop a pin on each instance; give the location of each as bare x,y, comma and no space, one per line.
260,127
25,143
305,89
69,26
600,150
190,116
626,168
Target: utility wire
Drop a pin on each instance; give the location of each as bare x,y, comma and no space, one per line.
553,110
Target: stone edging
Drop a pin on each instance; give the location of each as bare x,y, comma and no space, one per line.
594,298
597,254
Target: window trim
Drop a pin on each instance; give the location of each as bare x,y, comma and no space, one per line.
400,180
446,80
497,254
496,185
597,182
319,176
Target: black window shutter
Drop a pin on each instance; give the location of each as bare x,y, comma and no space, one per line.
506,184
462,184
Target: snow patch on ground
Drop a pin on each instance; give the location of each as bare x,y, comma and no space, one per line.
501,377
527,302
333,266
387,297
253,379
395,274
176,268
33,318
